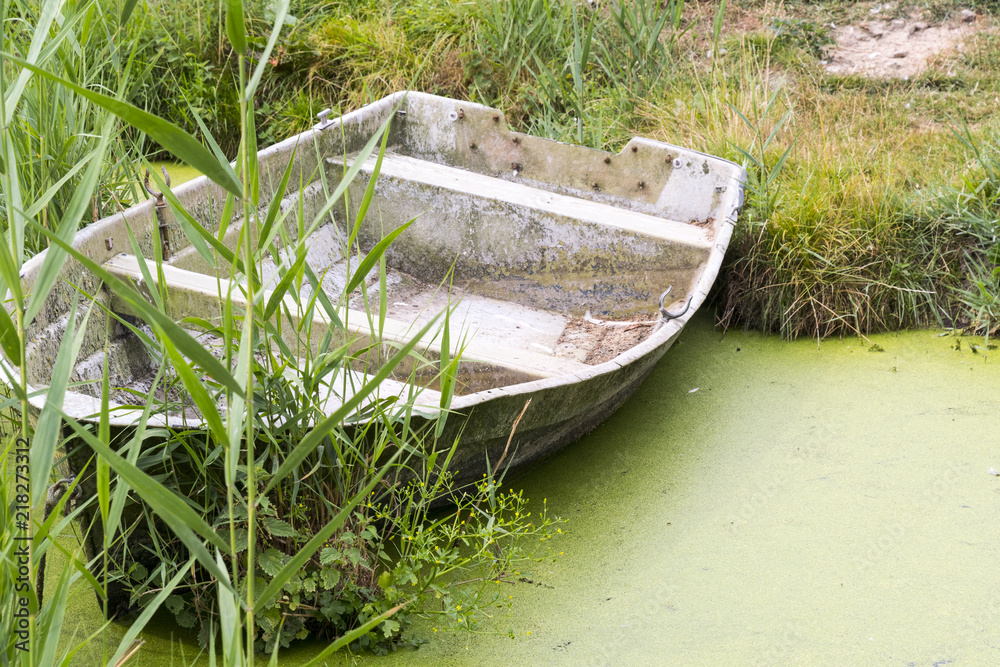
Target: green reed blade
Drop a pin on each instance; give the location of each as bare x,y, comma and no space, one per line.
175,512
274,208
320,431
47,432
280,11
139,624
296,562
50,9
50,620
236,26
373,256
68,225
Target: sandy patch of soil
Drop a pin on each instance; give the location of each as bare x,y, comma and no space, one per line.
896,49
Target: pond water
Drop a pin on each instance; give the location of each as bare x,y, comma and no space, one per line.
760,502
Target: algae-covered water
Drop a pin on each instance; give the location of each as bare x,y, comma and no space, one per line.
178,171
760,502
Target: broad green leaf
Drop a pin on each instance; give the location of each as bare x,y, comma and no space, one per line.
279,527
185,147
236,26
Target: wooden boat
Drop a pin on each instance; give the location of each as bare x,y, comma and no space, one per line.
556,258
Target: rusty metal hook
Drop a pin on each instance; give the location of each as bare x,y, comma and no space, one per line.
158,195
57,490
161,211
665,315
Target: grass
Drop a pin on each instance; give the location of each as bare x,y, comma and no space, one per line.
846,245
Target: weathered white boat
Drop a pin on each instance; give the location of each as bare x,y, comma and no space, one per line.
558,256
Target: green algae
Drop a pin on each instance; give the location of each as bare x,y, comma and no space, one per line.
179,172
755,502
